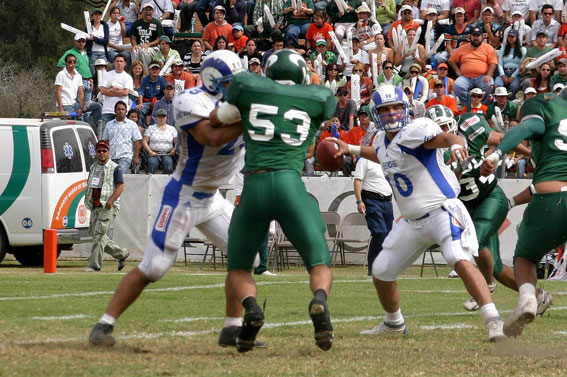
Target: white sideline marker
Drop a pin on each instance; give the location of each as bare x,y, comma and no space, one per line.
63,317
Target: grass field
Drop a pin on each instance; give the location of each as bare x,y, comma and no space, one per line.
172,329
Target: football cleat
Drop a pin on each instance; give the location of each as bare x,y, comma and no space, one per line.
385,328
495,332
101,335
228,335
470,303
544,301
253,322
322,323
522,315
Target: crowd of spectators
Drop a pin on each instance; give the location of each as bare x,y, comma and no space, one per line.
469,55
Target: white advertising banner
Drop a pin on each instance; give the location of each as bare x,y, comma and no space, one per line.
140,200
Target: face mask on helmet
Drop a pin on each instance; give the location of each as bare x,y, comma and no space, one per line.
390,95
219,67
443,116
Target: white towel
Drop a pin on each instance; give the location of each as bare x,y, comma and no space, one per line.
459,212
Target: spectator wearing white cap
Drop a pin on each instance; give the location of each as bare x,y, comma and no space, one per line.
557,88
471,8
82,66
476,106
217,28
458,32
536,9
407,22
163,10
508,109
524,31
511,6
548,25
415,12
560,77
441,6
255,67
365,28
437,30
181,79
492,31
145,33
509,58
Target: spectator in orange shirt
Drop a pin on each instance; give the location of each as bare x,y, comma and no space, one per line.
406,21
355,137
476,106
240,39
474,64
216,28
442,98
318,29
180,79
442,70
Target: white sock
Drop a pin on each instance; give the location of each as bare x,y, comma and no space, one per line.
107,319
395,318
232,321
489,312
527,292
527,289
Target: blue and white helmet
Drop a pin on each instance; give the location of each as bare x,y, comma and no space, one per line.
389,95
220,66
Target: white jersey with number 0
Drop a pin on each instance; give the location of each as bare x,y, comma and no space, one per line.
420,180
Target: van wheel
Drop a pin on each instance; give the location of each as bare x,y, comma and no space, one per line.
30,255
3,244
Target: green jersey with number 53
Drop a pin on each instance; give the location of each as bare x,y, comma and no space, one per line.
278,121
474,187
549,152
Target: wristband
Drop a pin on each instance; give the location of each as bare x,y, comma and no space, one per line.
494,157
358,202
228,113
354,149
532,190
511,203
456,146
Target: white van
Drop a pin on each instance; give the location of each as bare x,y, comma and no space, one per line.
43,179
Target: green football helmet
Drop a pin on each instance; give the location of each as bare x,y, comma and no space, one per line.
443,116
287,67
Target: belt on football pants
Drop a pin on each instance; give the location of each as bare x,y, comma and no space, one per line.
203,195
431,213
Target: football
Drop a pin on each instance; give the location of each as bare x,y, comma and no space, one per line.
326,151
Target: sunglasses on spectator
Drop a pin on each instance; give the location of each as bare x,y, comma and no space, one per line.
101,150
357,70
414,72
81,41
476,96
545,69
548,13
388,67
407,12
442,69
333,69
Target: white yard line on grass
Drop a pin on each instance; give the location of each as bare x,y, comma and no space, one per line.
207,286
457,326
63,317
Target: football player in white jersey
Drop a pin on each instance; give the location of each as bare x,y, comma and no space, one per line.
426,192
208,159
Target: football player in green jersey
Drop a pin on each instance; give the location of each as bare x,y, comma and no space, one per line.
279,115
484,199
544,224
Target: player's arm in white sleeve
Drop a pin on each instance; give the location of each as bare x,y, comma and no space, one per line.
446,140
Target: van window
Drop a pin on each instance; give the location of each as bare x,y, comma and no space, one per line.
67,154
88,143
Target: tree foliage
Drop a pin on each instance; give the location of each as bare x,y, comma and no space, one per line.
30,31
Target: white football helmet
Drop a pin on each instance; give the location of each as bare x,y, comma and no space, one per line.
219,67
443,116
389,95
